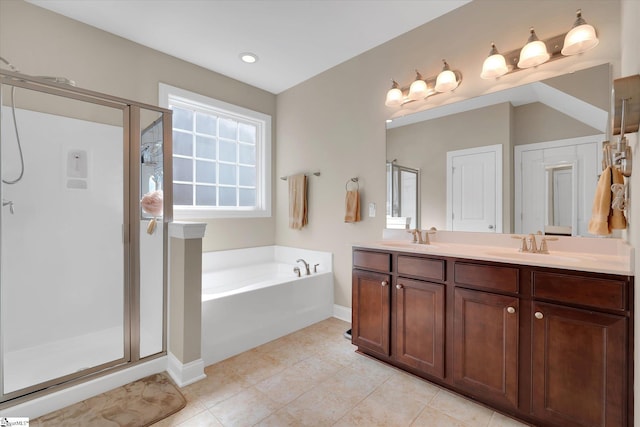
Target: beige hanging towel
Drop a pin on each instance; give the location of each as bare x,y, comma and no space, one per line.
352,206
297,201
603,217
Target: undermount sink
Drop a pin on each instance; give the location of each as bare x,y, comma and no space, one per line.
536,256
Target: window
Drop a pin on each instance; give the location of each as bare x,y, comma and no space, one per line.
221,157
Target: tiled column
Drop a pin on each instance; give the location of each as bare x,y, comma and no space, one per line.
185,302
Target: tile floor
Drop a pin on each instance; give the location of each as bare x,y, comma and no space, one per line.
313,377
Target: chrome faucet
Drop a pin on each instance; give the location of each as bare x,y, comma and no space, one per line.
306,266
9,203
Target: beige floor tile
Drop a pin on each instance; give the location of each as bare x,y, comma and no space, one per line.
431,417
461,409
219,385
203,419
191,410
499,420
405,386
286,385
245,408
254,366
321,406
280,418
383,408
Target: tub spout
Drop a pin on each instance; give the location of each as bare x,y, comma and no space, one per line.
306,266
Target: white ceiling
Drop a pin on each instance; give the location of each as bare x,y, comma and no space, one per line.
294,39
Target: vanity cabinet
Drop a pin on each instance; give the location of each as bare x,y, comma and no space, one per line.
579,355
372,301
419,325
485,345
549,346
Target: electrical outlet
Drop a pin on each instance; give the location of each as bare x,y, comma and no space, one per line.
372,210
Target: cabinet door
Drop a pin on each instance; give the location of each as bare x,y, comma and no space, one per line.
486,345
420,325
371,311
579,364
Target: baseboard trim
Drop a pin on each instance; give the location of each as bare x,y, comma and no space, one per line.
185,374
341,312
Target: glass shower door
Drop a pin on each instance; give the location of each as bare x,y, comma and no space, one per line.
64,286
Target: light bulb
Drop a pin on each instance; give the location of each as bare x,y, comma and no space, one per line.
580,38
446,80
533,53
418,89
394,96
495,65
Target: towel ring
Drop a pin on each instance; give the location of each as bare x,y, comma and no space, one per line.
355,180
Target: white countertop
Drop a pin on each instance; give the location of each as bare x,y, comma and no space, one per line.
611,256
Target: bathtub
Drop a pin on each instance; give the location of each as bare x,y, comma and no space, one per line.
252,296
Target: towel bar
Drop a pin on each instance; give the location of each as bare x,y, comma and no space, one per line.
284,178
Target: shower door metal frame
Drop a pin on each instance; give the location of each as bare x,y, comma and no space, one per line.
130,230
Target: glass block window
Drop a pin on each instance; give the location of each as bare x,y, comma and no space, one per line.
221,158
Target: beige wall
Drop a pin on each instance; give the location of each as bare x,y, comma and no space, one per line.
537,122
335,121
40,42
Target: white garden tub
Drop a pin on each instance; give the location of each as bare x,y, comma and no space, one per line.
252,296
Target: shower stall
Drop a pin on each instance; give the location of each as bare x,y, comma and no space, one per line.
82,262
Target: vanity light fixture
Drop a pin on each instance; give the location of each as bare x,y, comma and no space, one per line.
534,53
495,65
422,88
580,38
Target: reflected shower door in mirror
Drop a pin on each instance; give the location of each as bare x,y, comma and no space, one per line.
555,183
565,107
403,189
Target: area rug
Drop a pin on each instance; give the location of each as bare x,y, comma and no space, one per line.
137,404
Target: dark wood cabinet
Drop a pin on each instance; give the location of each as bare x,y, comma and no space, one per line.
552,347
485,345
578,370
371,311
419,325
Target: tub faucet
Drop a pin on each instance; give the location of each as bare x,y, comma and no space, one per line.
8,202
306,266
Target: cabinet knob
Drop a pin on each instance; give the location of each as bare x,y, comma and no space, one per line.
538,315
384,283
511,310
399,286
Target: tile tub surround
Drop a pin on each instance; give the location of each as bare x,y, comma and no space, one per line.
313,377
603,255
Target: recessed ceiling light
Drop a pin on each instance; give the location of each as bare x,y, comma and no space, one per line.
249,57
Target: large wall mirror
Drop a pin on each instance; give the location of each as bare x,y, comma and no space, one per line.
520,160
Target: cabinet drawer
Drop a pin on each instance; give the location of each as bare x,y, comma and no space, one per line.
427,268
486,276
372,260
594,292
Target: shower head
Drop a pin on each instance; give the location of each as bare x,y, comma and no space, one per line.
59,80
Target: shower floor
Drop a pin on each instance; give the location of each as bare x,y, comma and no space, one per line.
34,365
